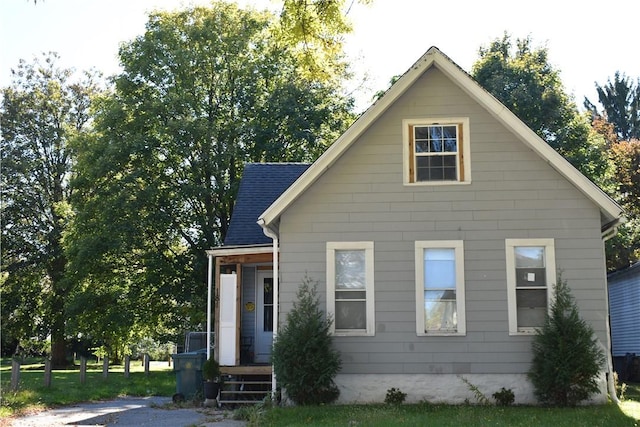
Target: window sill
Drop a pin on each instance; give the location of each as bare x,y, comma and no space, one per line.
353,334
441,334
435,183
523,332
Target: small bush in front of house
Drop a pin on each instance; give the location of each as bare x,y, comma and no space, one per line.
567,358
504,397
395,397
479,395
304,360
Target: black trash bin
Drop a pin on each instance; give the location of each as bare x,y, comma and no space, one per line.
188,369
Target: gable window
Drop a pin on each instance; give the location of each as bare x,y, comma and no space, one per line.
436,151
350,291
440,299
531,273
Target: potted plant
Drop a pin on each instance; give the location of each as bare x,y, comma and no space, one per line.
212,378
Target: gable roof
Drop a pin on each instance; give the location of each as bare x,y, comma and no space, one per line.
611,213
261,184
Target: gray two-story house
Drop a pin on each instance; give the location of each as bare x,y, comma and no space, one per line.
436,227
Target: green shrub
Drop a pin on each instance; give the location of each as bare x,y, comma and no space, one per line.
395,396
211,370
254,414
303,358
566,356
504,397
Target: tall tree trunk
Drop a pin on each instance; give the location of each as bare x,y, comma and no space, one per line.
60,291
58,351
58,340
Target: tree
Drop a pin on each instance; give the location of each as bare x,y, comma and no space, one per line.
203,91
620,100
567,358
314,30
303,359
625,246
619,123
43,110
525,82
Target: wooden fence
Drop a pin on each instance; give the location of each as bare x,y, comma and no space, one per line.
15,370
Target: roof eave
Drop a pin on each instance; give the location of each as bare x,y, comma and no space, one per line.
239,250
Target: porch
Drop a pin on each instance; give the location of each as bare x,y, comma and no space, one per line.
244,321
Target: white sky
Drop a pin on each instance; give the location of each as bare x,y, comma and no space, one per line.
587,41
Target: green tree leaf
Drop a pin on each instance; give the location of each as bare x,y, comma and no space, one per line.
43,110
522,78
202,92
620,100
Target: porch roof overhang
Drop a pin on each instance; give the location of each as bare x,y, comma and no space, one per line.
240,250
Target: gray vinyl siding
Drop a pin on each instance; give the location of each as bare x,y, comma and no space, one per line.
624,302
513,194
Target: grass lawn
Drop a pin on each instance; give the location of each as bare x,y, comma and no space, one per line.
631,401
66,388
443,415
627,414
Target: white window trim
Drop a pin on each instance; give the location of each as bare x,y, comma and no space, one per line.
458,246
466,148
331,286
550,265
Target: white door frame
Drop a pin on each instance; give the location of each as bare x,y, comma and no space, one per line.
264,330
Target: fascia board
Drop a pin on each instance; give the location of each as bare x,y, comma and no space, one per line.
239,250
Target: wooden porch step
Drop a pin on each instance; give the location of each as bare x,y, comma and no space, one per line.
246,385
235,402
247,370
244,392
248,382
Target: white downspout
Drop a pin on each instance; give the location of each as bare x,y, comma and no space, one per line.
610,383
276,291
209,283
609,350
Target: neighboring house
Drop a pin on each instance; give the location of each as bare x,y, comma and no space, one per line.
435,226
624,306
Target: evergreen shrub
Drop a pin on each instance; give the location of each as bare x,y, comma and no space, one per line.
304,360
567,358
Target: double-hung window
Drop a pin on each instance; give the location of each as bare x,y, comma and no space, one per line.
350,287
436,151
440,299
531,272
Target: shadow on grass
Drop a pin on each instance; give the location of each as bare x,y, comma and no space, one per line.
66,388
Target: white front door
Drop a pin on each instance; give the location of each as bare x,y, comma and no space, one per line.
226,342
264,316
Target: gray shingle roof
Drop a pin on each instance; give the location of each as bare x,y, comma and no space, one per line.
260,186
